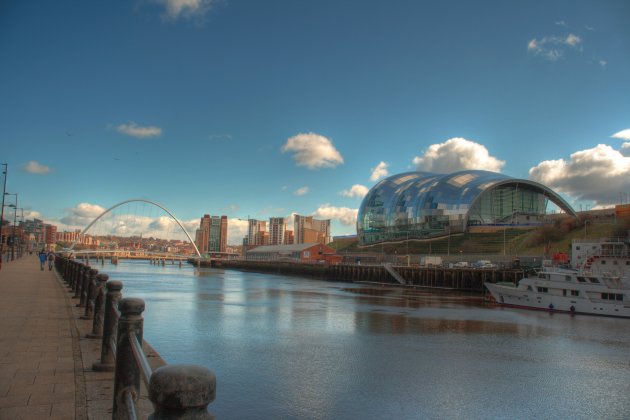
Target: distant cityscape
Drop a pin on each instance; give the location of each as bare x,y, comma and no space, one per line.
210,238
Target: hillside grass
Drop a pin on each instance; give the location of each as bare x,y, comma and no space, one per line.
546,240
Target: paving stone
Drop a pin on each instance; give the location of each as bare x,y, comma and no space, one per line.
26,412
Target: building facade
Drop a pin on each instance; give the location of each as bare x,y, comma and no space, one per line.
307,230
315,253
257,232
212,234
277,229
423,205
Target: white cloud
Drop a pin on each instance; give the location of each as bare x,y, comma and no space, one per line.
553,48
356,190
625,149
35,167
82,214
457,154
344,215
301,191
623,135
237,230
125,221
32,214
598,174
134,130
313,151
185,8
603,63
379,171
561,23
572,40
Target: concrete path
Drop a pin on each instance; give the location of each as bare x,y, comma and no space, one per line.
39,351
45,358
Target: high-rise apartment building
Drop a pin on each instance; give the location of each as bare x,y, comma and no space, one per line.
307,230
277,229
288,237
257,232
212,234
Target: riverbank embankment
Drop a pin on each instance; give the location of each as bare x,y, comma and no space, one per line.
460,279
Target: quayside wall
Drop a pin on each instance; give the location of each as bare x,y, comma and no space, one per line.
464,279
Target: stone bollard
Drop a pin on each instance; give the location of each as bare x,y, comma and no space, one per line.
99,307
182,392
127,375
83,283
90,294
110,326
78,279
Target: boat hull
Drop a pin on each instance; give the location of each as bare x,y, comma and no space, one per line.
525,299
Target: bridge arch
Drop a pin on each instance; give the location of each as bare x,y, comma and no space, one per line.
142,200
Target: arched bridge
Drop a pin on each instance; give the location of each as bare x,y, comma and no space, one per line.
132,252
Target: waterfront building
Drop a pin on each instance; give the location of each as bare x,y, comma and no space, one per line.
50,234
313,252
277,229
257,232
423,205
288,237
212,234
307,229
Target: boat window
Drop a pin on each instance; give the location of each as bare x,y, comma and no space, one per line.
627,262
577,248
575,293
529,288
543,290
593,280
567,278
564,292
541,275
603,262
615,262
581,279
612,296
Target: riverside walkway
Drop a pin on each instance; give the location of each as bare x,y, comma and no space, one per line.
45,361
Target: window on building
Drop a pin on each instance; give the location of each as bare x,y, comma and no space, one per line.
543,290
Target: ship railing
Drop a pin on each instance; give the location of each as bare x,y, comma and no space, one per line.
176,391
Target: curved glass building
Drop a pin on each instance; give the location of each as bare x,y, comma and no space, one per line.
424,205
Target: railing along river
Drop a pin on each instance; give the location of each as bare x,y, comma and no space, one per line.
176,391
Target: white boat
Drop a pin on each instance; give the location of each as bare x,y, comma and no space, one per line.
600,286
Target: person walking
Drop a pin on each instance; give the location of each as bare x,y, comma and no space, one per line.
51,260
42,259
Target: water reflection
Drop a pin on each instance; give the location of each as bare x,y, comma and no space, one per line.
286,347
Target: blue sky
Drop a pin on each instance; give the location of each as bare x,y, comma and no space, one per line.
264,108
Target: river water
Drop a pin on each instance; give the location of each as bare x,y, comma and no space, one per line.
294,348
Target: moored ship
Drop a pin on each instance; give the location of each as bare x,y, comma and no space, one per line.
597,282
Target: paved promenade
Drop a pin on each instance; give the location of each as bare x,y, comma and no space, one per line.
45,358
41,369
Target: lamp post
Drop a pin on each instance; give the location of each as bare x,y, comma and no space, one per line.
4,172
15,207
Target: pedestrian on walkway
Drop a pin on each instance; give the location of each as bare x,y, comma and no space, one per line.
51,260
42,259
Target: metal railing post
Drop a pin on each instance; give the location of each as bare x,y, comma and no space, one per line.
78,275
90,294
110,326
127,373
99,307
83,285
182,392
